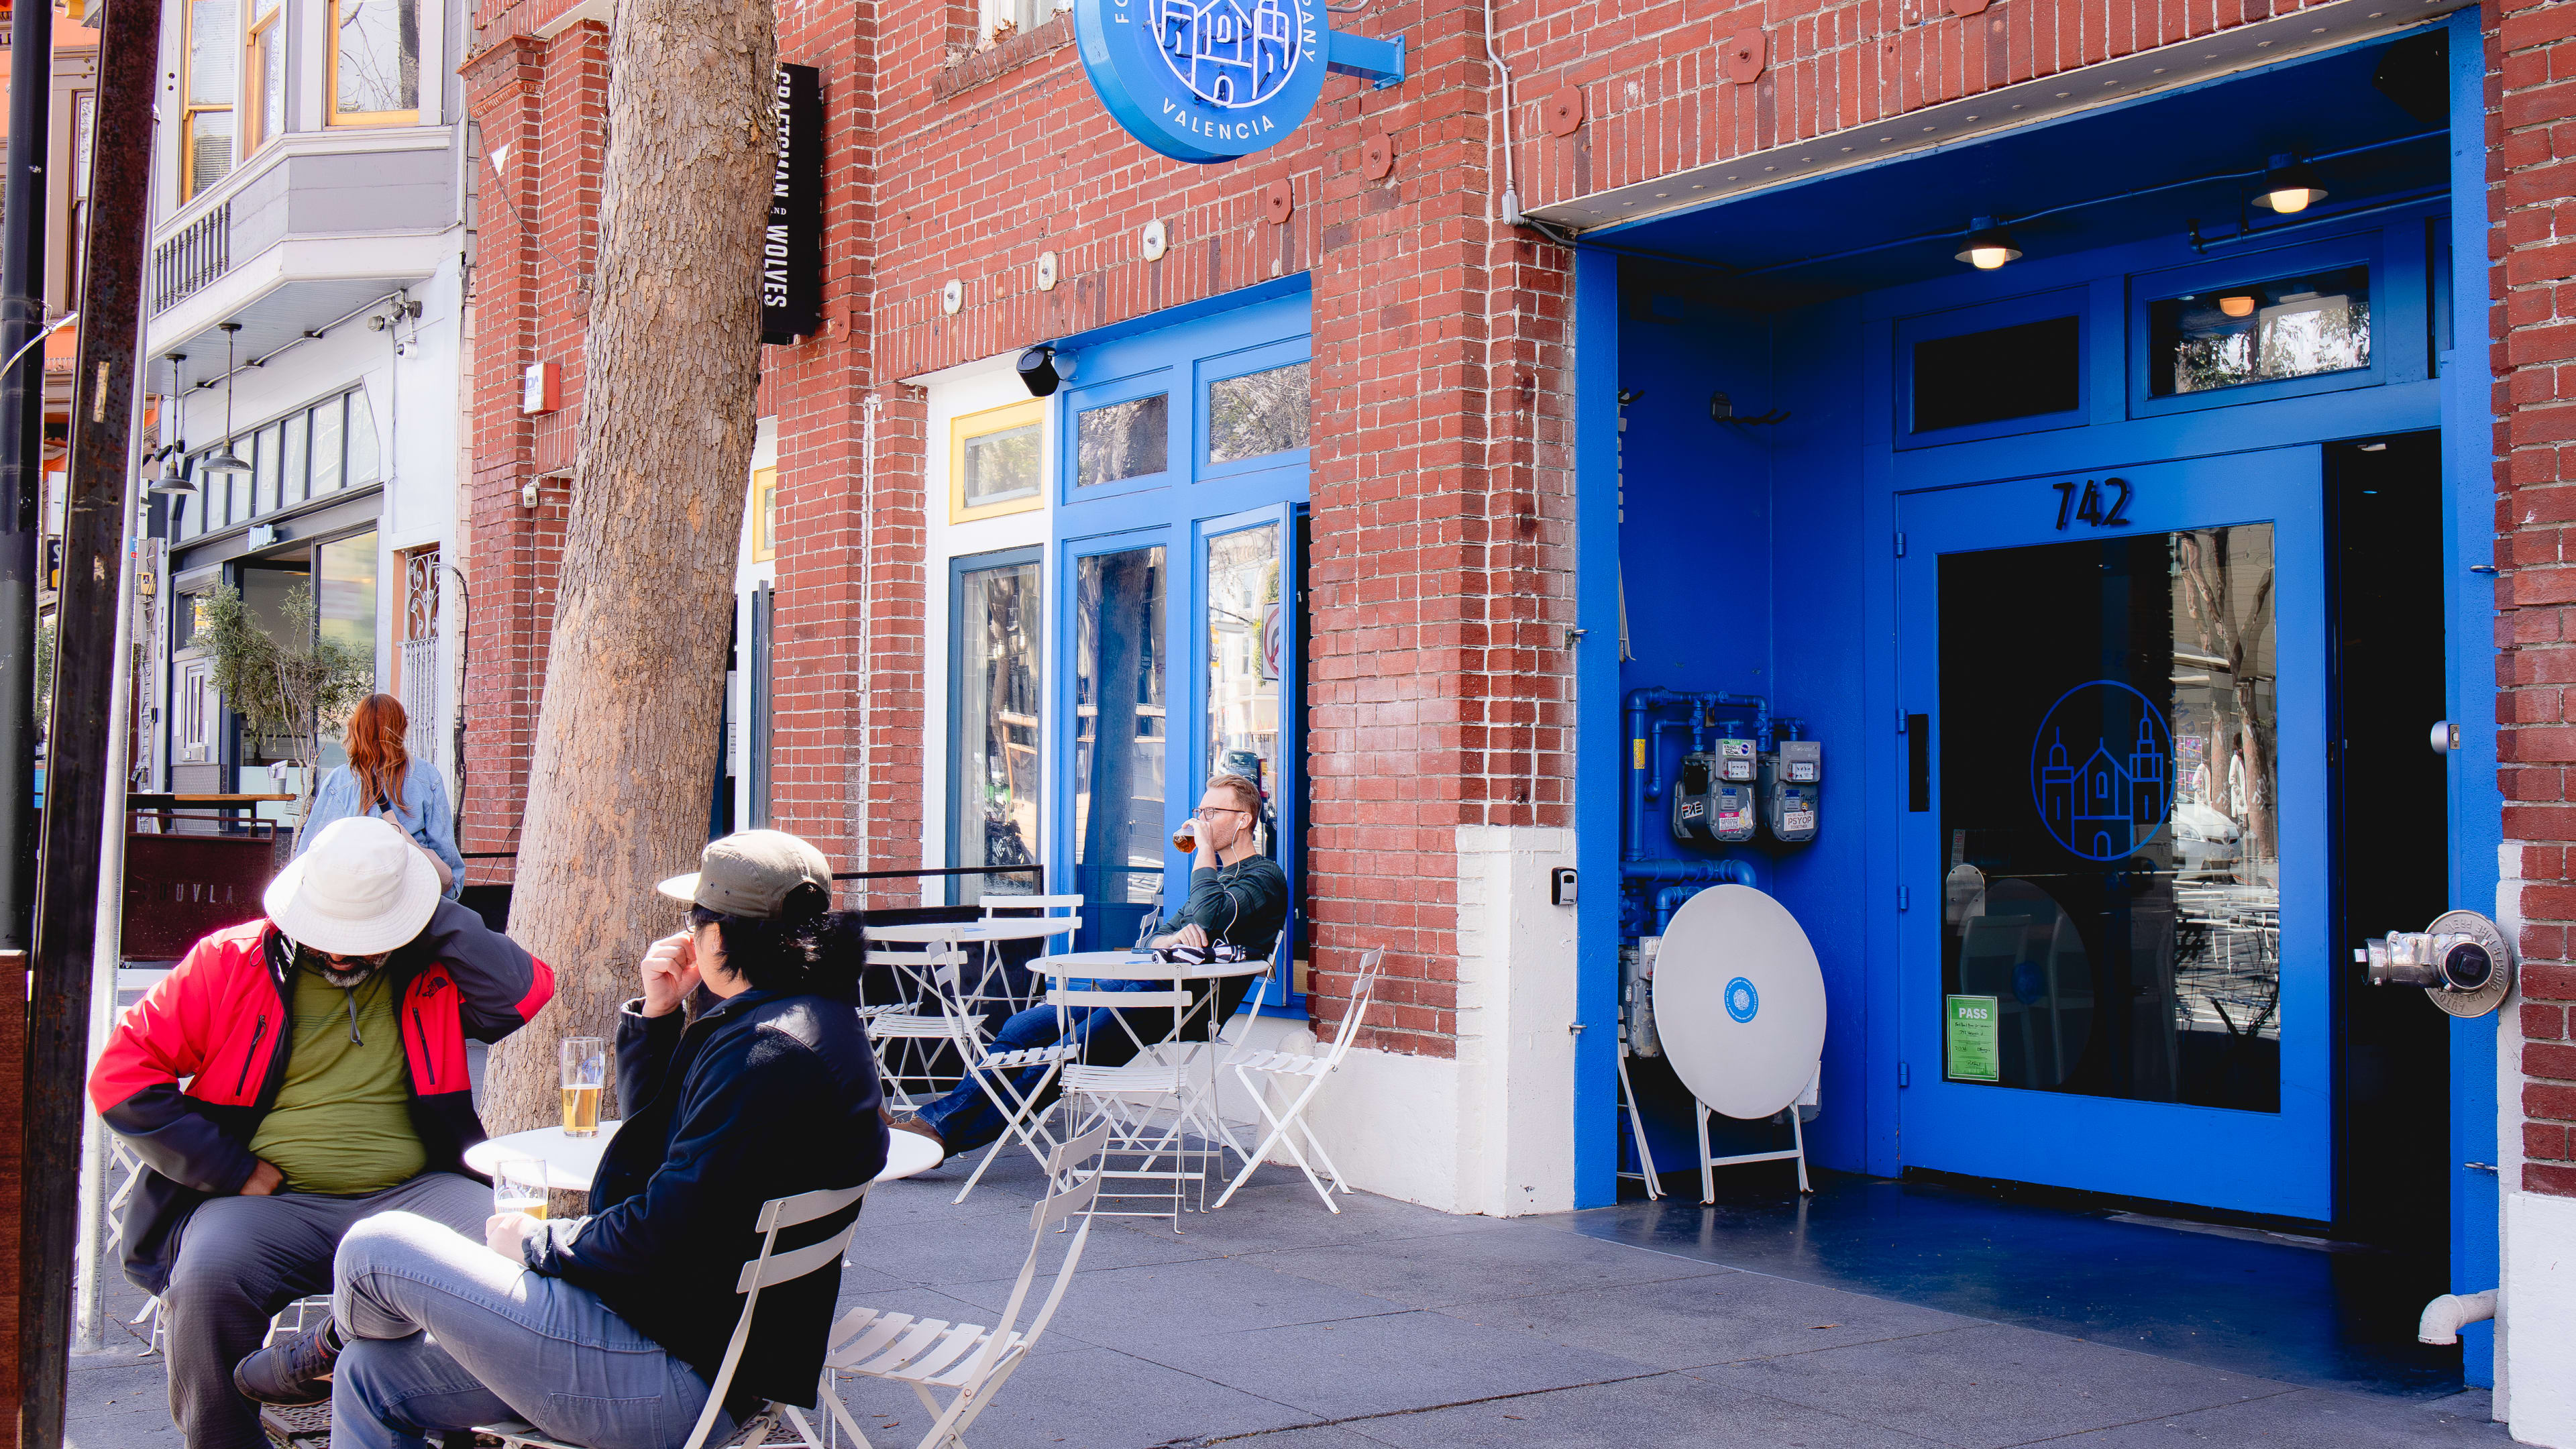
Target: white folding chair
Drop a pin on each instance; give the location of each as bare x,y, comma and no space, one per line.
910,1035
994,1073
1286,1126
1128,1097
767,1269
968,1361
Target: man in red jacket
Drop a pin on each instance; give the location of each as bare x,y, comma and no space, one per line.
292,1076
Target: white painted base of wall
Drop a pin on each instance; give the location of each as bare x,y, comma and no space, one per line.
2540,1295
1490,1130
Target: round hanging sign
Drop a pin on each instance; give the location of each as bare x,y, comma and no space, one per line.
1204,80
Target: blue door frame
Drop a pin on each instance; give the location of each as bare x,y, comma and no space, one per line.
1180,508
2453,395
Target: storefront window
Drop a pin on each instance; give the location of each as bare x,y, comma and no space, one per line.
264,445
2231,336
1123,440
1118,740
326,447
346,593
1257,414
996,767
1244,643
2118,922
363,458
997,455
291,484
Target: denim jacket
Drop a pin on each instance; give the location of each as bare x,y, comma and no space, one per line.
423,811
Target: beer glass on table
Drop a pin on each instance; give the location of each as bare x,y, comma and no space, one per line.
585,1069
519,1186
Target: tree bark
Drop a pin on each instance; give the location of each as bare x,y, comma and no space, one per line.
619,775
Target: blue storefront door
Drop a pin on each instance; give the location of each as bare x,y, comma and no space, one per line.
2114,842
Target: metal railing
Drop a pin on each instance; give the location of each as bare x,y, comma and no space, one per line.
194,256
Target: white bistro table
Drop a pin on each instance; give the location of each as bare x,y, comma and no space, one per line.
989,933
571,1162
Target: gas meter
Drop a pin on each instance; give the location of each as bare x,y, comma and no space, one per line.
2462,961
1713,799
1793,780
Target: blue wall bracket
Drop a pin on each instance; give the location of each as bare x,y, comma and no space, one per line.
1379,62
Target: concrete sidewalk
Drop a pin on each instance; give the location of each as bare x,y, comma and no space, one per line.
1280,1326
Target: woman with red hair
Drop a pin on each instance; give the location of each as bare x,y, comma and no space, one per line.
382,778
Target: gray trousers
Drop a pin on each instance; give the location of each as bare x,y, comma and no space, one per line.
241,1259
443,1334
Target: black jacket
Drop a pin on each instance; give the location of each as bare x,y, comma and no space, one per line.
764,1095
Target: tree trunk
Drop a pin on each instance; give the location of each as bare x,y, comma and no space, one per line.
618,781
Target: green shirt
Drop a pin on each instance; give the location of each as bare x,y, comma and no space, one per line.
342,1124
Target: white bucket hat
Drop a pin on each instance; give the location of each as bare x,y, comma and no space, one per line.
362,887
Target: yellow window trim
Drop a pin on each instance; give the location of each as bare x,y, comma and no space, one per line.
764,516
252,84
976,425
331,84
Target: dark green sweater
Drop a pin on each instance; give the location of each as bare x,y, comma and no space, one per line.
1243,904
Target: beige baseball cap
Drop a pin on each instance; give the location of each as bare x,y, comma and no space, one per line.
750,874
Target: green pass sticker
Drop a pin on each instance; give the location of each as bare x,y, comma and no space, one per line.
1970,1040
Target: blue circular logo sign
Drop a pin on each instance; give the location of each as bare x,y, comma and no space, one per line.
1204,80
2101,770
1742,1001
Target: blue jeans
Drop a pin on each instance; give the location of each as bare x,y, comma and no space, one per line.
444,1333
966,1118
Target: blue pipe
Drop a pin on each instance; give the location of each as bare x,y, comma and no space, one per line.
1669,899
1645,752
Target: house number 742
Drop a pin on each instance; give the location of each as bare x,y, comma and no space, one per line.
2087,505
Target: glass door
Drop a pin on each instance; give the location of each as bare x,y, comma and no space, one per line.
2115,684
1121,738
1250,713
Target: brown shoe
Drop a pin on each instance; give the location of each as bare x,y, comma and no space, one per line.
919,1128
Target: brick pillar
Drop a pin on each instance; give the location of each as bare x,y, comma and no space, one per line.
546,101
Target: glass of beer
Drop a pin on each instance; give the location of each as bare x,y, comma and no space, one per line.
585,1069
1186,839
519,1186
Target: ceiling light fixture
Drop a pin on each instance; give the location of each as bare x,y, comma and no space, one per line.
174,481
2237,305
226,461
1988,246
2289,185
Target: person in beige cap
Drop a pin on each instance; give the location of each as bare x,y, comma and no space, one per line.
293,1075
746,1076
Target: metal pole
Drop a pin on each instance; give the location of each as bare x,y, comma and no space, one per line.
89,1307
105,386
22,442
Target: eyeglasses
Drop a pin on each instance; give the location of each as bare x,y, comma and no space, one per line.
1211,812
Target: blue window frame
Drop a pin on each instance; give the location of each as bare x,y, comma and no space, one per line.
996,709
2035,347
2394,315
1211,665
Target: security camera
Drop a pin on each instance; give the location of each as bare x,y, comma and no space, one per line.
1043,369
379,322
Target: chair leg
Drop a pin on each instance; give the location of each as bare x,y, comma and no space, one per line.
841,1411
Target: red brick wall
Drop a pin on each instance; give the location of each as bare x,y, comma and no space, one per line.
1442,464
2532,172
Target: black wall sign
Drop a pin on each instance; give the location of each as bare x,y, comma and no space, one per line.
791,250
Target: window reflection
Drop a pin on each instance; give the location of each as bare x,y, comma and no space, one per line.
996,770
1257,414
2122,907
1001,466
2232,336
1244,647
1122,440
1118,710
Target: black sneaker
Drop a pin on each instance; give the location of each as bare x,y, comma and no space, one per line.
292,1371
